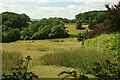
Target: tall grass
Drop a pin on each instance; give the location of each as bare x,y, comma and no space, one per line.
81,59
9,60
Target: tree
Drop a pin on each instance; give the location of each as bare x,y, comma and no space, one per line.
78,25
15,20
11,35
113,15
59,31
91,25
100,17
110,25
43,33
33,28
24,33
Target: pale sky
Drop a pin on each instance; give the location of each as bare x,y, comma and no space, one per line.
38,9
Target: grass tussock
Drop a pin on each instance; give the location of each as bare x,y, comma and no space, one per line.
81,59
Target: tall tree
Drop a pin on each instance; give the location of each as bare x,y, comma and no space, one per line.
113,15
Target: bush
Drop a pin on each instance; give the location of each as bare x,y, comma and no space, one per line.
82,36
107,43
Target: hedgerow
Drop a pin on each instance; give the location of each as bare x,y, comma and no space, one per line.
106,43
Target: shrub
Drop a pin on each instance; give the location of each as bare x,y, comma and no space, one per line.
82,36
107,43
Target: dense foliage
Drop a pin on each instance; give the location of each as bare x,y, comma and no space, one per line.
92,18
45,28
113,14
82,36
111,24
78,25
14,20
18,26
107,43
11,35
12,24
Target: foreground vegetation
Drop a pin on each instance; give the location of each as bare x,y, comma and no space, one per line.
63,55
81,59
106,43
99,46
37,47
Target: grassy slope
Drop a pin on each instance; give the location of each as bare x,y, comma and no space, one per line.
72,28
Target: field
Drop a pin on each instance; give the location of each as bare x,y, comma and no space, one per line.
51,56
39,48
72,28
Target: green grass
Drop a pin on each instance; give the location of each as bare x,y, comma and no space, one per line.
9,60
36,49
61,54
81,59
72,28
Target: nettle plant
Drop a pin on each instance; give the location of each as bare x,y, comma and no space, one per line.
20,72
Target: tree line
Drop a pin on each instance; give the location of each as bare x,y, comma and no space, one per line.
18,26
91,18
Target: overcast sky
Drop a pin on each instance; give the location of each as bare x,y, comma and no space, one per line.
38,9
